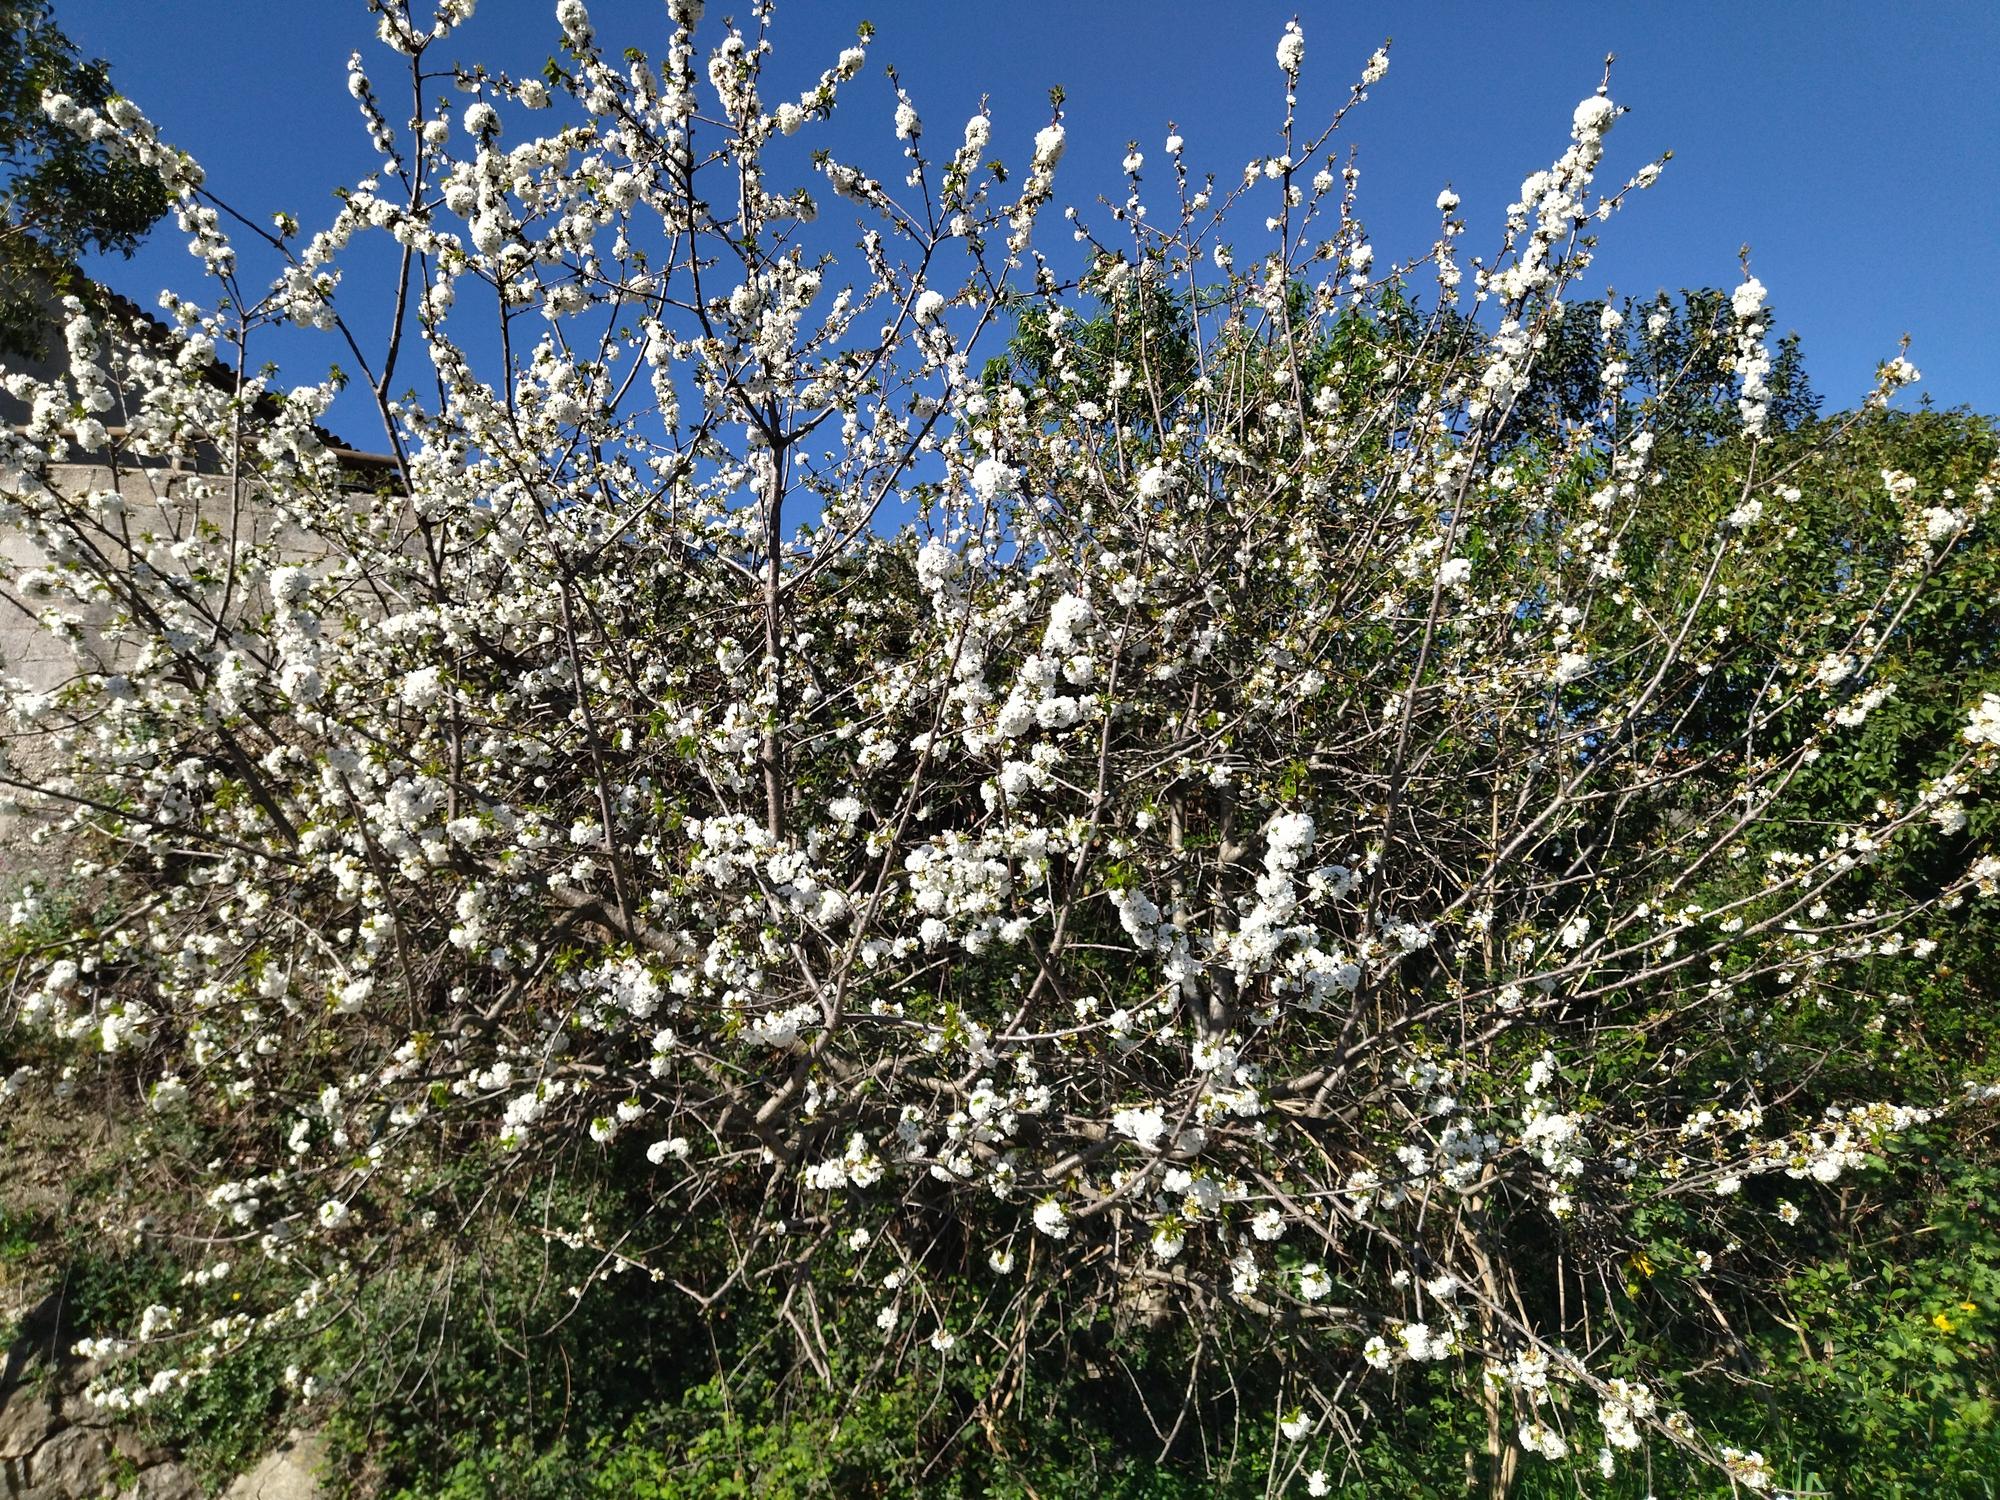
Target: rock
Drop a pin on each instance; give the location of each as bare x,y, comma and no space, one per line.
163,1482
77,1409
73,1463
288,1472
27,1421
45,1455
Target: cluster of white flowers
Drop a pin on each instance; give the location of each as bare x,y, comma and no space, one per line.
1292,49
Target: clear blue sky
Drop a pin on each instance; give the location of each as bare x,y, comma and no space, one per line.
1854,147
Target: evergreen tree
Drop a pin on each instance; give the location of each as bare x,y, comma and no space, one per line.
62,195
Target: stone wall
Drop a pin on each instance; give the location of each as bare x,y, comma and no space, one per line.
55,1446
157,502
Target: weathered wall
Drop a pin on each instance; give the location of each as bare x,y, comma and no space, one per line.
157,503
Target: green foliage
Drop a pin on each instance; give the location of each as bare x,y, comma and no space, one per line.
1887,1381
20,1235
61,195
1140,325
1679,357
633,1393
223,1424
1872,1370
